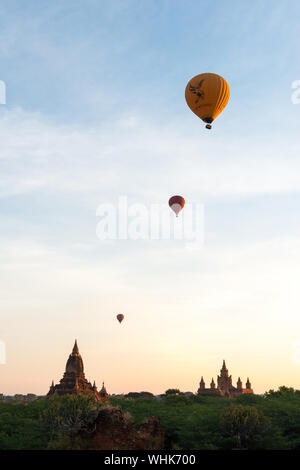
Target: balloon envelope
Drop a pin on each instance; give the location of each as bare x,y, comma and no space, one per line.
177,204
207,95
120,317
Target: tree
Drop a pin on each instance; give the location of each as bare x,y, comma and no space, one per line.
282,391
244,424
69,414
172,391
135,395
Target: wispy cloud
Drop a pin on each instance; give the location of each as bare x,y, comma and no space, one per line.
133,156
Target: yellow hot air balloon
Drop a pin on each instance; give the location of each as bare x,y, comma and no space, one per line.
207,95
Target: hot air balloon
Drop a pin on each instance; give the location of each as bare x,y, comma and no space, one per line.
207,95
120,317
177,204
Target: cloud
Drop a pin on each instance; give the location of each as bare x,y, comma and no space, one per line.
249,278
134,157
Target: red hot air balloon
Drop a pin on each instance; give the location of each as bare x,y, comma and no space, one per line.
120,317
177,204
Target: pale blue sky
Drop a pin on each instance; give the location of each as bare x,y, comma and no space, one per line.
92,60
95,109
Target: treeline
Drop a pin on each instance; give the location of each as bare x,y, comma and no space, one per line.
191,422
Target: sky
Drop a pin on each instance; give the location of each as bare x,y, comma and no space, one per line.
95,111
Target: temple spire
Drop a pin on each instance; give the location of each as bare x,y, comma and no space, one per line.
75,348
224,370
103,393
239,384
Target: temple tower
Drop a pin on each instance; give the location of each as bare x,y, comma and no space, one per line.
224,385
103,393
239,385
224,381
74,381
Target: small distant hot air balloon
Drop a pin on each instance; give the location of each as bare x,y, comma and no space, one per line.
120,317
177,204
207,95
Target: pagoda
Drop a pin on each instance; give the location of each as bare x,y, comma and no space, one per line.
224,385
103,393
74,381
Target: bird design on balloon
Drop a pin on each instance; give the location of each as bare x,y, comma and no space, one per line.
196,90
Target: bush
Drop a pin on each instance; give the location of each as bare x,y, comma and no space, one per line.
244,424
69,414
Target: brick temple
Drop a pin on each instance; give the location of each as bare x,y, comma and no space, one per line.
224,386
74,381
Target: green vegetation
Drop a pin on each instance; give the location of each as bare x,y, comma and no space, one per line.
246,425
20,426
139,395
271,421
69,414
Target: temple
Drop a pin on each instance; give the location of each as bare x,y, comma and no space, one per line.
74,381
224,386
